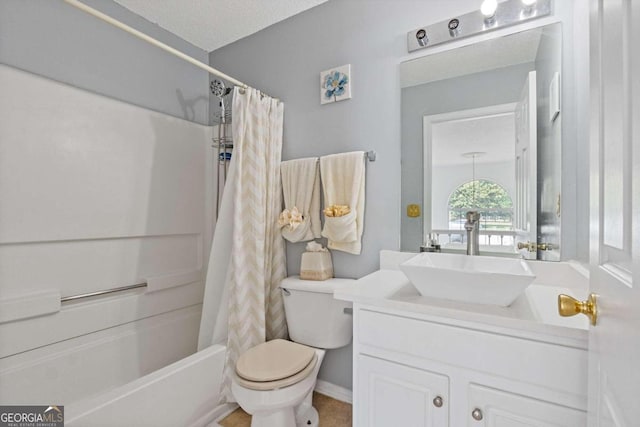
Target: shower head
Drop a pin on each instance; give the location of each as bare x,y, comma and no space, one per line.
219,89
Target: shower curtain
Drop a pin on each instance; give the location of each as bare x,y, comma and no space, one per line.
248,250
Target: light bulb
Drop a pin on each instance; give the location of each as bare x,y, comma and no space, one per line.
488,8
529,3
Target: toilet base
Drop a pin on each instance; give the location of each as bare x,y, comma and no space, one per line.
309,418
287,418
284,417
289,406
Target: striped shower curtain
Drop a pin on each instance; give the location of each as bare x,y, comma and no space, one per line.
257,264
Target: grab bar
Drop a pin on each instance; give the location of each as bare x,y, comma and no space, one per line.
43,302
106,291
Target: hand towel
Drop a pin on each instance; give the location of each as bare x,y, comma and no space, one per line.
343,183
300,221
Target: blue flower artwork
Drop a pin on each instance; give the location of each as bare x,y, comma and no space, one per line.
335,84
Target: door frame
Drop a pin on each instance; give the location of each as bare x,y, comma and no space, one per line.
427,144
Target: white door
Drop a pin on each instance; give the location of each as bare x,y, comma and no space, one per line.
526,158
614,343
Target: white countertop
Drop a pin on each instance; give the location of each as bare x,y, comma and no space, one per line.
533,315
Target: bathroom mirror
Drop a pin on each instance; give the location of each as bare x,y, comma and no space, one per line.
482,130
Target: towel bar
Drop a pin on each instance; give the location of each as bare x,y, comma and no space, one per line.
106,291
369,155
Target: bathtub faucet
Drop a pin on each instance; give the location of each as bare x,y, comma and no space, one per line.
473,232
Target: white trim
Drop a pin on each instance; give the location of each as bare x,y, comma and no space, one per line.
427,123
334,391
218,414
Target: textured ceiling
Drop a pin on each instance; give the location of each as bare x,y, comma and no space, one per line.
211,24
493,135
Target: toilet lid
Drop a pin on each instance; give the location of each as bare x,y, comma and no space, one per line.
285,382
274,360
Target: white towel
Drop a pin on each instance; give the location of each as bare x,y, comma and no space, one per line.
301,189
343,177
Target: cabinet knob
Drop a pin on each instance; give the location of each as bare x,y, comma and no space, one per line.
477,414
438,402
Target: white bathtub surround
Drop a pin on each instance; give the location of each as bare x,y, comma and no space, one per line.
455,362
301,190
343,183
93,198
257,262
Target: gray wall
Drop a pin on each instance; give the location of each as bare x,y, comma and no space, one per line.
55,40
52,39
476,90
285,60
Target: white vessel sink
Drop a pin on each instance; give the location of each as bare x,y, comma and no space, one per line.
474,279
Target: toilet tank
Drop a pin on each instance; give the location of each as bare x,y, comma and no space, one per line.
314,317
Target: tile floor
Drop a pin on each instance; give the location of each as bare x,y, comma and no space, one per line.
333,413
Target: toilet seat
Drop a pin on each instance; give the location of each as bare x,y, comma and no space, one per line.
275,364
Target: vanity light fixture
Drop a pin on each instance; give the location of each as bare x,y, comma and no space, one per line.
422,38
528,7
491,16
453,27
488,8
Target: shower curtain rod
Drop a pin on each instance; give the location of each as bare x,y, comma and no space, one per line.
106,18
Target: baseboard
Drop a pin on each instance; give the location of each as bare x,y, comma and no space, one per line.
219,413
334,391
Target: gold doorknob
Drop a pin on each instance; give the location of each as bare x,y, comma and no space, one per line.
530,246
569,306
533,246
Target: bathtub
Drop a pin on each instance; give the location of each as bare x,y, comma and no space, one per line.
184,393
142,373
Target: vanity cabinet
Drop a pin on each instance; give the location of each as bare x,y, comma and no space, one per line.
417,370
397,395
500,408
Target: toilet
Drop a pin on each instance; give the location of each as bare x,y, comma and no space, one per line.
274,381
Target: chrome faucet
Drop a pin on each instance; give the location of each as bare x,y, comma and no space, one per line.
473,232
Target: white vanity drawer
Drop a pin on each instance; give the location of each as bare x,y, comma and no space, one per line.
551,366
